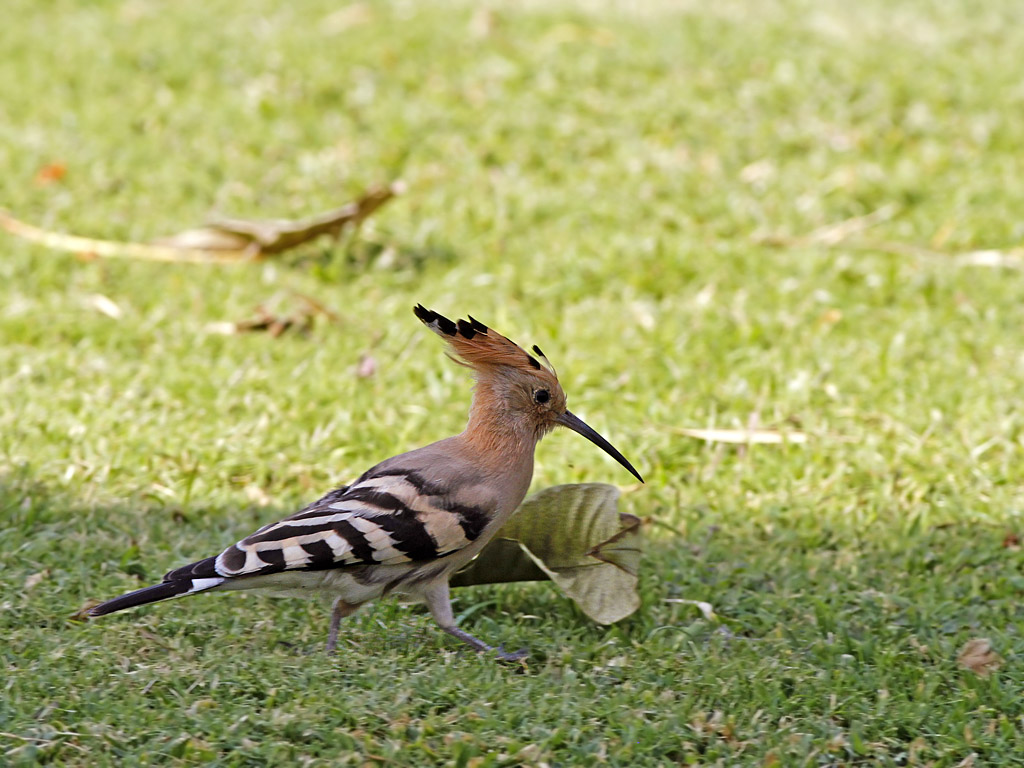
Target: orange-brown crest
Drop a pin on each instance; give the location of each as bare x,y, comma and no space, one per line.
482,348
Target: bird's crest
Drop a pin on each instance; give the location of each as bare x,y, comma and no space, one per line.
480,347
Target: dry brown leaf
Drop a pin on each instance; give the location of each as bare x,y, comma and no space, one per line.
270,319
273,324
745,436
979,657
1011,541
575,536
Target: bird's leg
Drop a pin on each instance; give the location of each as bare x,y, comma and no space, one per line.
340,611
439,602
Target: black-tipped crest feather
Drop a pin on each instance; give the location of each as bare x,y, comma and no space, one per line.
438,323
475,345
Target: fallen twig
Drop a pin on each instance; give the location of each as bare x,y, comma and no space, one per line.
222,241
277,235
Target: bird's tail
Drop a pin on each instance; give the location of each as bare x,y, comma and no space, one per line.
197,577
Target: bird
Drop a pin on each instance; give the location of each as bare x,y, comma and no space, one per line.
407,524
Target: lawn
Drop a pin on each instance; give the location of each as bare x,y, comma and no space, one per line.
668,199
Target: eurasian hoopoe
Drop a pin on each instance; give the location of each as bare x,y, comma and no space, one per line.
406,525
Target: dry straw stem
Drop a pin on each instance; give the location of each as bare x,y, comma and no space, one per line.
113,249
844,234
744,436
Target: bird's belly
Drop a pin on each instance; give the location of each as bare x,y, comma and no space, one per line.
344,583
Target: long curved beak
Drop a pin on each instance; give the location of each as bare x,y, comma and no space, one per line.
576,424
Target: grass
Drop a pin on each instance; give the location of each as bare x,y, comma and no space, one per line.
584,176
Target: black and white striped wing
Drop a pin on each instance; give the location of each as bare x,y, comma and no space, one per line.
384,518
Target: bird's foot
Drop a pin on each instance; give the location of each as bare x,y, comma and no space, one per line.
504,655
481,647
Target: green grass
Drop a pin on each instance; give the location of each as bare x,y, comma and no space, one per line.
586,177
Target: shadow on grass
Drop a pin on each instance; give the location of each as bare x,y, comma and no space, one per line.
807,594
812,638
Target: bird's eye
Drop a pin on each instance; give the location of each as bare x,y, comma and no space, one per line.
541,396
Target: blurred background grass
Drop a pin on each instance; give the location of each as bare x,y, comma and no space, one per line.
595,177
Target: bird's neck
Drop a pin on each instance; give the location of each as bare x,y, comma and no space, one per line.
496,434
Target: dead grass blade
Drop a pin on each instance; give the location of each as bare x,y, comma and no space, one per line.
844,233
1013,259
105,306
745,436
832,234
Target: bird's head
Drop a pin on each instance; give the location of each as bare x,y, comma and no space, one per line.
513,385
